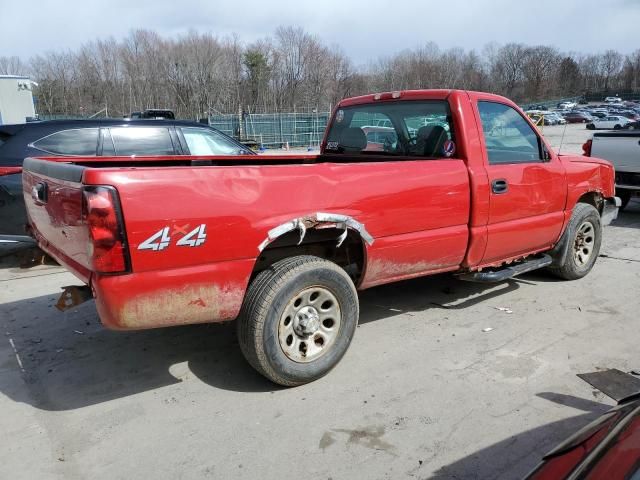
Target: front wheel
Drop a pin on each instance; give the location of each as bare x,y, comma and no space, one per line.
584,237
591,126
298,319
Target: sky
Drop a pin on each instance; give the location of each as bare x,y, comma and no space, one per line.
365,30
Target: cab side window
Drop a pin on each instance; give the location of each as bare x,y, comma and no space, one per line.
508,137
142,141
207,142
78,142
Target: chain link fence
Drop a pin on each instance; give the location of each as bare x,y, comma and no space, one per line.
275,130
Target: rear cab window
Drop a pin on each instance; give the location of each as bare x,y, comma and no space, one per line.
395,129
75,142
139,141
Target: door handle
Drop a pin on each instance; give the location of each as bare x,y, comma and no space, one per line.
499,186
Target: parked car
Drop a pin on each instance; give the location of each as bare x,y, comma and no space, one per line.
283,243
612,122
567,105
629,114
95,138
622,149
607,448
552,118
575,117
613,100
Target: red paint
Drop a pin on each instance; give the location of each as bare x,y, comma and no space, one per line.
426,216
611,452
9,170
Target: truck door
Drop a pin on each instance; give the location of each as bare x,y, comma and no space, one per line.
527,184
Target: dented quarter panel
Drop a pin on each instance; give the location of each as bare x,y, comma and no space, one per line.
241,204
417,211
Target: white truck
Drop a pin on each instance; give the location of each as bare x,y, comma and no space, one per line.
623,150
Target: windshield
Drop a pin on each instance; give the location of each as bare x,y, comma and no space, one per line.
402,128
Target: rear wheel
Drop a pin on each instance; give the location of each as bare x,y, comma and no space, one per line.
298,319
617,127
591,126
584,236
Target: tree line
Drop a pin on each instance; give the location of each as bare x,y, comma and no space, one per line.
199,74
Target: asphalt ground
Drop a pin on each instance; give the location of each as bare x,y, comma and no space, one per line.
440,381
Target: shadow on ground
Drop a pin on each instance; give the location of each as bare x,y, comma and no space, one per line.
519,454
71,361
630,216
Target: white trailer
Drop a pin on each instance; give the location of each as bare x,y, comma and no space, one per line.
16,99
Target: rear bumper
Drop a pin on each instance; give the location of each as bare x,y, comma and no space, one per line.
610,210
197,294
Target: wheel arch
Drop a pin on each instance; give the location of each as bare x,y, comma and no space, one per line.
334,237
594,198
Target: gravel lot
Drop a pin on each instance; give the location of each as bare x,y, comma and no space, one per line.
423,391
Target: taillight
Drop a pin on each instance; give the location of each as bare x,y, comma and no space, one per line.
586,147
107,249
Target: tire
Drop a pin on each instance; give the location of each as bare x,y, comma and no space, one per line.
584,121
591,126
584,225
280,306
617,127
625,197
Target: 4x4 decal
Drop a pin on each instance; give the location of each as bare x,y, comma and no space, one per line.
161,239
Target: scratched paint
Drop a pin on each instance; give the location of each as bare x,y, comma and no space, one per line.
180,306
384,270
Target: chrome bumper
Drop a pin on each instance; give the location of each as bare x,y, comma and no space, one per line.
610,210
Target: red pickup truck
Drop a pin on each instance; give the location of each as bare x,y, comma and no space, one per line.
465,183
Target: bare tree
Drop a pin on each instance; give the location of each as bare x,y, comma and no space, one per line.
12,66
610,66
198,74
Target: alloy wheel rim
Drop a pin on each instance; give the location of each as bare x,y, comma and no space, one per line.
584,243
309,324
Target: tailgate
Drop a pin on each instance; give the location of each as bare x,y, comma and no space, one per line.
621,149
53,197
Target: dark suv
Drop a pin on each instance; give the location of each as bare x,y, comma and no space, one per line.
94,138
